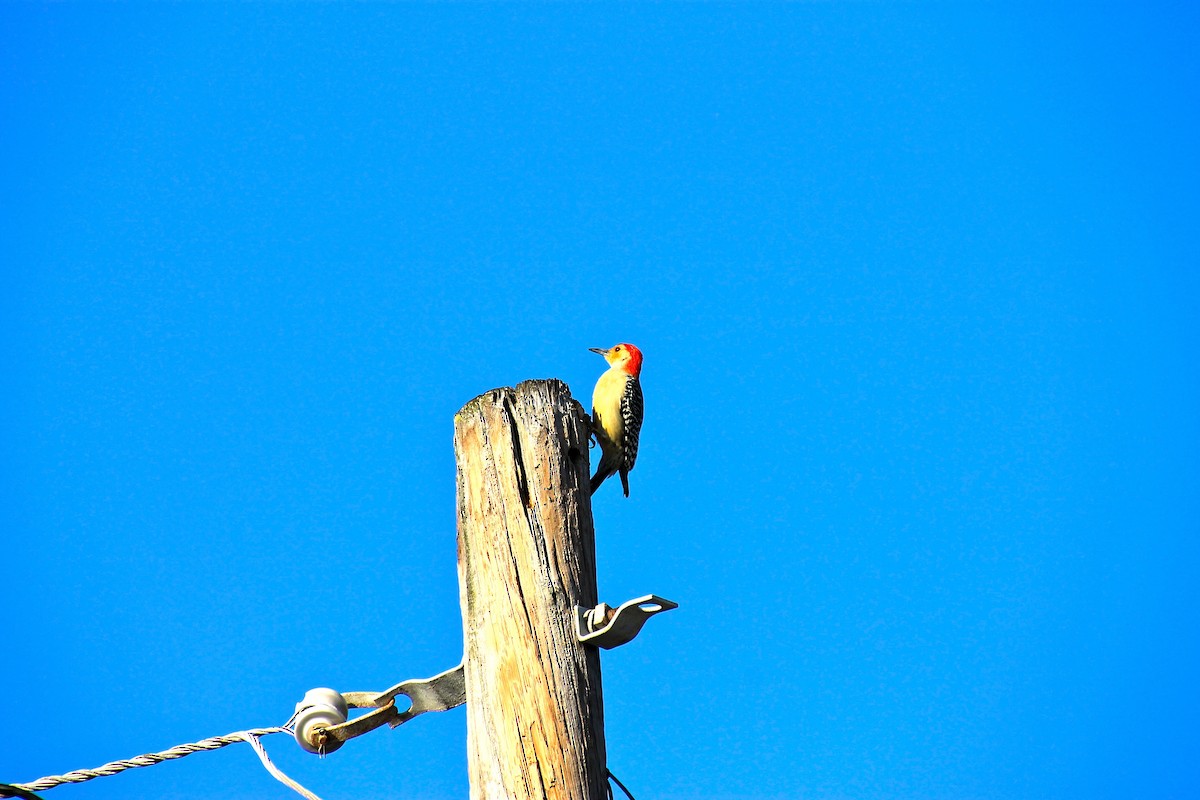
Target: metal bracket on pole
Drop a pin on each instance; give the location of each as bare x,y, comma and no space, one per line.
322,721
606,627
321,717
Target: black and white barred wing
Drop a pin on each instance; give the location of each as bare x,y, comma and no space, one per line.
631,414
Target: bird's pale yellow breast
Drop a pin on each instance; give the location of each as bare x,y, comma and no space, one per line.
606,402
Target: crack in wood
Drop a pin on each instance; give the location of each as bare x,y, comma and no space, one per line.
518,457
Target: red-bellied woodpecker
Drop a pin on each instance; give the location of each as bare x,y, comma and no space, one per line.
617,413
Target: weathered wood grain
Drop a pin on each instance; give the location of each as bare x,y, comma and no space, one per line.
526,558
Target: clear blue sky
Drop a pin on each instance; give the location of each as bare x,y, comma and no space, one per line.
917,287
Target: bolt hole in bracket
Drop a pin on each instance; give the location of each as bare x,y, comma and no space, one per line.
604,626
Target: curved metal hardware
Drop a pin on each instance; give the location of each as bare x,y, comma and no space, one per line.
608,628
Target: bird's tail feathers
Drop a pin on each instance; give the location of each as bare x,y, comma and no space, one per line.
600,477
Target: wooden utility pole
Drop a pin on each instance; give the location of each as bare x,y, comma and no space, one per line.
526,558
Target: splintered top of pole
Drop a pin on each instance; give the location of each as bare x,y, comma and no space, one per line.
526,558
550,392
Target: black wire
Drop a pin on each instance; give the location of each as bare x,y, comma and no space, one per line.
8,790
614,779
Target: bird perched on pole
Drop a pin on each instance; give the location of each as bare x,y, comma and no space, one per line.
617,413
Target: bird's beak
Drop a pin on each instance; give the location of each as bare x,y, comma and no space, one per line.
599,350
